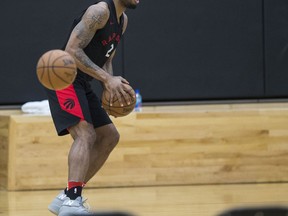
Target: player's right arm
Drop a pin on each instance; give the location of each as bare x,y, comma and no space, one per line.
94,19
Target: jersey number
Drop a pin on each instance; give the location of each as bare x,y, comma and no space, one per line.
108,54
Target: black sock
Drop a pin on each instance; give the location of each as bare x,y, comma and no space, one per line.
65,190
74,192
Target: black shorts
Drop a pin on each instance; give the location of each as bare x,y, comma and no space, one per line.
76,103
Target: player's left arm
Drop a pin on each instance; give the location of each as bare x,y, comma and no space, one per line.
108,67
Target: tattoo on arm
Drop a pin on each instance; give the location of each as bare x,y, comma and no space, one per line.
89,24
94,20
83,36
85,31
82,57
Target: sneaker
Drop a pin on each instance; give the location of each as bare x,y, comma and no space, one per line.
73,207
57,203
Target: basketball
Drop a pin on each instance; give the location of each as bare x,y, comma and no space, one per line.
56,69
116,109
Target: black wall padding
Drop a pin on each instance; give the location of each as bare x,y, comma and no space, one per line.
30,28
189,50
202,49
276,37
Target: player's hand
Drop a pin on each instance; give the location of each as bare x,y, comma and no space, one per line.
119,89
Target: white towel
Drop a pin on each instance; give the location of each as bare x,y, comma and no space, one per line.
36,107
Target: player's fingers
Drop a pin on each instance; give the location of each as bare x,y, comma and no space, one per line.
126,97
131,94
124,80
119,97
112,95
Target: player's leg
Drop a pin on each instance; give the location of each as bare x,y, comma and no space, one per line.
107,135
79,158
98,143
84,137
70,109
107,138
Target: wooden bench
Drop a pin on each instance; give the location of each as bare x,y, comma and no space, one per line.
171,145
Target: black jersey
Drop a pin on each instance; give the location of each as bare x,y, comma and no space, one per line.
104,41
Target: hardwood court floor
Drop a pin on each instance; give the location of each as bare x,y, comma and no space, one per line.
204,200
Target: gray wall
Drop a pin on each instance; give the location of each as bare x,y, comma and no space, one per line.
184,51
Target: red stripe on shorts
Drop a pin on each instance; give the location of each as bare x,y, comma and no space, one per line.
69,102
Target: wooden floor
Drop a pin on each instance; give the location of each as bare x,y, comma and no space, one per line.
263,127
178,145
204,200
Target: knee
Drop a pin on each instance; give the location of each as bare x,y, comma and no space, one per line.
110,140
115,138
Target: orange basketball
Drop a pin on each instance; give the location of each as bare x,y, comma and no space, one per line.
56,69
116,109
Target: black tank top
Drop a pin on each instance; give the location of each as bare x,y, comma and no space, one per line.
104,41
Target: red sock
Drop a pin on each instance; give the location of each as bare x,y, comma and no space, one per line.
72,184
74,189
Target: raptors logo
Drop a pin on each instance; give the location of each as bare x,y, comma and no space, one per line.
69,103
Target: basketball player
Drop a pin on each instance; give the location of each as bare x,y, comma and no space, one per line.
77,111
